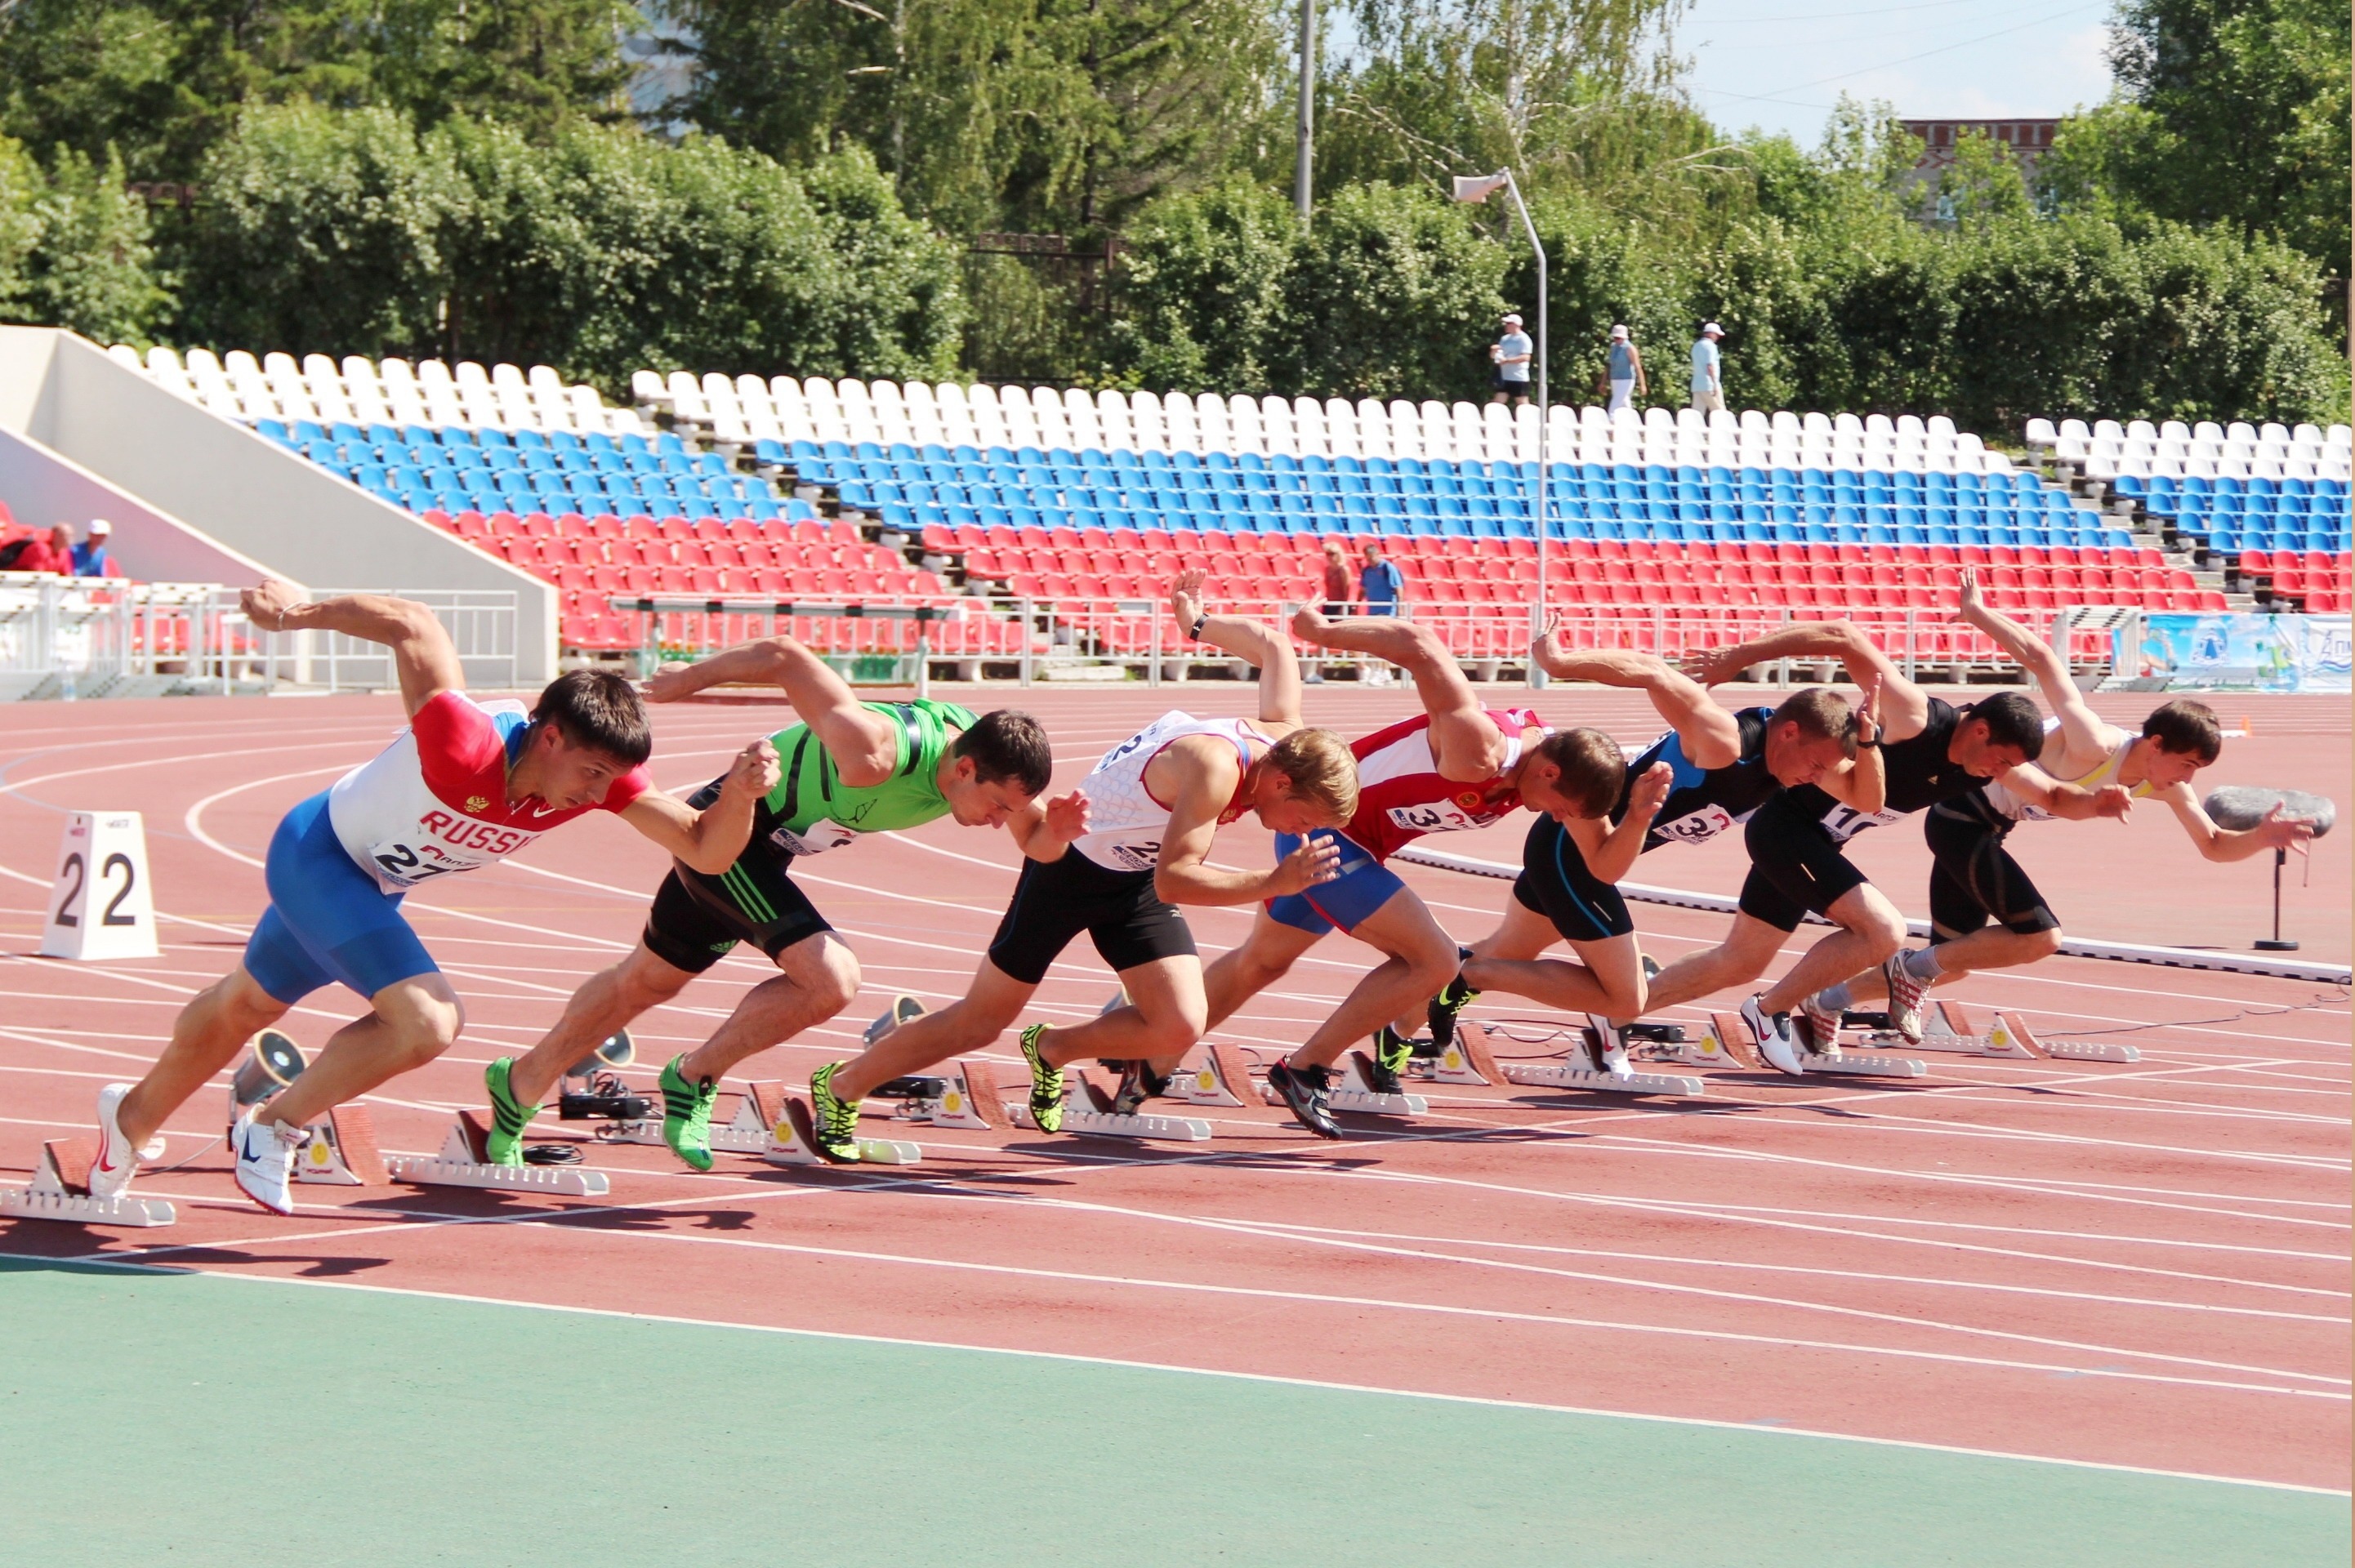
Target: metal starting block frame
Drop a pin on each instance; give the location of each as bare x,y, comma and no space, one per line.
772,1125
1470,1059
970,1095
1947,1026
1734,1037
1219,1076
60,1191
1089,1113
463,1162
1353,1090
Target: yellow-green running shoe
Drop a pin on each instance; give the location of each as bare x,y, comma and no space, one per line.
508,1116
1448,1005
836,1120
1046,1082
686,1114
1393,1052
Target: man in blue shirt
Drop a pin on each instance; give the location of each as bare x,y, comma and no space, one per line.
1380,587
1512,356
1708,379
89,556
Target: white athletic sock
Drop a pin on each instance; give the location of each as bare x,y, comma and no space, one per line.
1923,964
1835,998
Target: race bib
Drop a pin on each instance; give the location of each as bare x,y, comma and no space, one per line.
1437,817
1137,856
1844,823
404,864
1697,827
820,836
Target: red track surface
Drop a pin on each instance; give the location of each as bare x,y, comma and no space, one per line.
2141,1264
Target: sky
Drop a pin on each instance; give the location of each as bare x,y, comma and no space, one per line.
1781,64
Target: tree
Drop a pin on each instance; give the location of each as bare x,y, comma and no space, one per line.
1394,293
94,268
1202,290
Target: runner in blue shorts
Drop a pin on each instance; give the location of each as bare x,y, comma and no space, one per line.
463,786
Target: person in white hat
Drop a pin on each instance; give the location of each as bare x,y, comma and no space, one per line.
1511,355
1708,380
1626,371
89,556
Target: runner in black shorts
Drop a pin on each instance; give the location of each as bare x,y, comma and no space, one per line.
1152,805
1708,774
847,770
1928,751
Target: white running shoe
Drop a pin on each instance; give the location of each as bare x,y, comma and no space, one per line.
1823,1025
265,1161
1905,994
1613,1056
117,1162
1773,1033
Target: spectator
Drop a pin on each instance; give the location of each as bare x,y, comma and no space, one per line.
1625,373
1380,587
1708,380
90,557
1512,356
1339,591
50,552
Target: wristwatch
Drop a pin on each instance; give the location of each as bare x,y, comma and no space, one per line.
1194,632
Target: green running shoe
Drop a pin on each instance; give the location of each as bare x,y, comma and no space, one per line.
1393,1052
836,1120
508,1118
1449,1004
1046,1082
686,1114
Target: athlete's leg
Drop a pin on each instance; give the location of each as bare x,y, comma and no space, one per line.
817,977
1749,947
974,1022
206,1037
1419,957
1266,956
409,1023
1461,730
1608,978
1870,932
1161,1021
606,1002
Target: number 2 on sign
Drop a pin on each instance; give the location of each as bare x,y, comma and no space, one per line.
70,907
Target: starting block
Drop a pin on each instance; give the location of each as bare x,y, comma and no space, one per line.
1219,1077
972,1093
342,1150
776,1125
1089,1113
463,1162
1353,1090
1470,1059
60,1191
1731,1032
1948,1026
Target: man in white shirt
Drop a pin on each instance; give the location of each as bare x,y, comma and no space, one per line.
1708,379
1511,355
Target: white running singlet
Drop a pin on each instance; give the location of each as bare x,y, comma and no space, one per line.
1126,823
2104,772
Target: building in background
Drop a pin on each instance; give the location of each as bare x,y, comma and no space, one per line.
2029,140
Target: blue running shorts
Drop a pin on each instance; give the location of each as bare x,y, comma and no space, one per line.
328,923
1364,885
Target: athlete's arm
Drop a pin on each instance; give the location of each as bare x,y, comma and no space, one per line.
1610,852
2067,802
1200,774
1904,706
1254,643
1466,747
1710,736
2277,831
1044,829
1862,784
709,840
864,744
422,653
2089,739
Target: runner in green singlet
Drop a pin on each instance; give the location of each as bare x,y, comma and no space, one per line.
848,769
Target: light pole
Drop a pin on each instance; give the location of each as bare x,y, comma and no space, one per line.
1480,188
1304,156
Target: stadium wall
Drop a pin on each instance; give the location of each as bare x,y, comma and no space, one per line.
42,487
266,507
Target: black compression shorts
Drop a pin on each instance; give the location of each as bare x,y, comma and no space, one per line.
1794,865
1555,883
1975,880
1056,900
697,920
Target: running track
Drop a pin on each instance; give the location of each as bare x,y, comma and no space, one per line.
2142,1267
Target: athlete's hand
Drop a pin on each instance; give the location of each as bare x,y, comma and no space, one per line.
755,771
1186,598
671,682
1545,648
1066,819
1868,713
1713,666
2279,832
1651,788
266,606
1307,624
1317,859
2112,800
1968,606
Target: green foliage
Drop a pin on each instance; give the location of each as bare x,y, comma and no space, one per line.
1203,296
94,268
1394,294
20,225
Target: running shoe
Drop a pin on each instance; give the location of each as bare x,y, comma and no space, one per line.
117,1162
837,1119
265,1161
1773,1033
1138,1084
1905,994
1303,1090
1046,1082
1611,1047
1822,1023
686,1114
509,1115
1393,1052
1449,1004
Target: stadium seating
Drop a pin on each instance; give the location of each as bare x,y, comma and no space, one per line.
2236,488
360,392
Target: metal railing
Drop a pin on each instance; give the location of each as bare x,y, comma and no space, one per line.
481,624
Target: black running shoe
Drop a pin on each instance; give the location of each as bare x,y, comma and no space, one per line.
1303,1090
1449,1004
1138,1084
1393,1052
